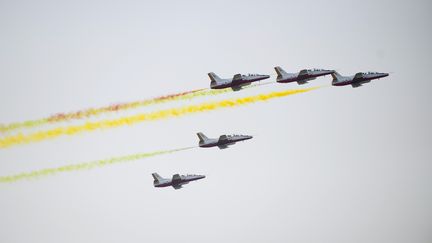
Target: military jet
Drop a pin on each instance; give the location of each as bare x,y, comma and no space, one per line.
301,77
176,182
235,83
356,80
222,142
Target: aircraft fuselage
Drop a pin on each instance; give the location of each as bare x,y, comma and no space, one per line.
179,182
296,77
358,79
245,80
222,142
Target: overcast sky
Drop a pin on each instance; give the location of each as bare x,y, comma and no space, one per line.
333,165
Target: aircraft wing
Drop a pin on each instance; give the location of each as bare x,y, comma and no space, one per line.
223,138
236,88
222,146
176,179
303,73
237,79
302,81
176,186
358,76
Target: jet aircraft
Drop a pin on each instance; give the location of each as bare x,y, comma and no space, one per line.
301,77
356,80
222,142
176,182
235,83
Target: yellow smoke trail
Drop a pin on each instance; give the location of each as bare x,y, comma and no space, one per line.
156,115
84,166
92,112
87,113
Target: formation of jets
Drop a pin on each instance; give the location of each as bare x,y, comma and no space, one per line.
236,83
303,76
204,142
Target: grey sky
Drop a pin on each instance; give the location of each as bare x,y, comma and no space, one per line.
333,165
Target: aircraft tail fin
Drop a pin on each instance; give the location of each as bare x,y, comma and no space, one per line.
214,78
336,76
202,137
280,72
157,177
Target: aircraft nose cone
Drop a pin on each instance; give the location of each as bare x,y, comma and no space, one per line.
385,74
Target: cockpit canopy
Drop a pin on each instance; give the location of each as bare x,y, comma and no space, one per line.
235,135
189,176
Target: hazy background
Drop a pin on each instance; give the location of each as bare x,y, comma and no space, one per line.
333,165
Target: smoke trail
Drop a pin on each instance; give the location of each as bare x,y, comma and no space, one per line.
117,107
156,115
84,166
90,112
